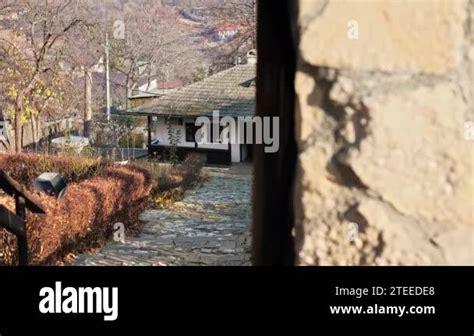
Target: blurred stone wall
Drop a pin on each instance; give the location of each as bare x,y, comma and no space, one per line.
386,164
48,130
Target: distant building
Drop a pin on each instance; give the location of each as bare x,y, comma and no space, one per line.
148,89
225,32
231,92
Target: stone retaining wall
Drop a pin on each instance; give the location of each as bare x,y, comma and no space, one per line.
48,130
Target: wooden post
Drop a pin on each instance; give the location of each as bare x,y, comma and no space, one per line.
23,200
273,215
149,135
22,242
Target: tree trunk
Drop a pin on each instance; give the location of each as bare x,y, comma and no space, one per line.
17,122
88,103
34,132
39,132
19,111
127,91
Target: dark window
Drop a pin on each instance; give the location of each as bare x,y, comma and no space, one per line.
191,130
175,121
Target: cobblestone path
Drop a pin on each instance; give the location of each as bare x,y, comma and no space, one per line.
209,227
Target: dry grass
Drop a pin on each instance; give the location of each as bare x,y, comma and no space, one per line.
171,181
189,174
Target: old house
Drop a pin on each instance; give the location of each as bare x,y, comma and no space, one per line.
172,117
148,89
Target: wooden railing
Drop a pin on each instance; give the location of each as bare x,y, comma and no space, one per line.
16,223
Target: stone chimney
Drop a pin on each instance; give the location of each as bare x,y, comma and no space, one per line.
252,57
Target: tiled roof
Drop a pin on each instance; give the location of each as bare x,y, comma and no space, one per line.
232,92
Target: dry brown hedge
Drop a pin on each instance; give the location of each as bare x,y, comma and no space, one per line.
24,168
84,217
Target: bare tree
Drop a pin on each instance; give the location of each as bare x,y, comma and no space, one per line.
40,29
155,44
83,52
6,6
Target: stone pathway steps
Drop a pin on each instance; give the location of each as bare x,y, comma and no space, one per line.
209,227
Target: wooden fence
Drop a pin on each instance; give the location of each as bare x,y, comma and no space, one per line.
15,223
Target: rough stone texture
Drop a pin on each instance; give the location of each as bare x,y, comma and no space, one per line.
393,35
385,175
209,227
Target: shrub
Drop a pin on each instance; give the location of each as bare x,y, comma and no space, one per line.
132,140
168,176
84,217
191,169
99,195
26,167
172,187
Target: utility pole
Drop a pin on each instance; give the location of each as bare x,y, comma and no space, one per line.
107,74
